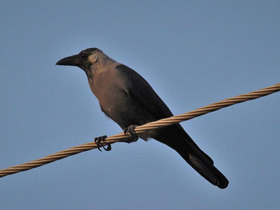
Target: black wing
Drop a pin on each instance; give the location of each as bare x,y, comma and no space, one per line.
138,88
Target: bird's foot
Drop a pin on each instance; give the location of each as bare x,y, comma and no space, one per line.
102,139
130,131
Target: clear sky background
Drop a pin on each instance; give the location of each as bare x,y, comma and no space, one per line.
193,53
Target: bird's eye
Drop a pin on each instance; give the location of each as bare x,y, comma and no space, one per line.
84,55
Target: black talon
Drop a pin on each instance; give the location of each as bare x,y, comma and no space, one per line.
99,140
130,130
109,147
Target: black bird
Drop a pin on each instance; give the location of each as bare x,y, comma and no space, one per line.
129,100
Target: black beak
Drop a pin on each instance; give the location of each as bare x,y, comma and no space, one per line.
73,60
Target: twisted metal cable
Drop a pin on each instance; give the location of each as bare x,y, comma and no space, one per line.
143,128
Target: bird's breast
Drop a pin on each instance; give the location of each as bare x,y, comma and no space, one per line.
111,95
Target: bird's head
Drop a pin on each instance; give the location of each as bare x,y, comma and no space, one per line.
85,59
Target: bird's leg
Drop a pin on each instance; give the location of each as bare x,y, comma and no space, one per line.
130,130
102,139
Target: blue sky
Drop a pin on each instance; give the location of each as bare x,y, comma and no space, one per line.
193,53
